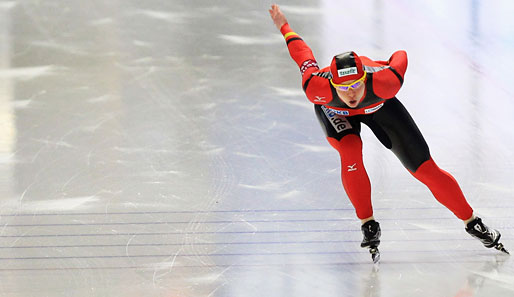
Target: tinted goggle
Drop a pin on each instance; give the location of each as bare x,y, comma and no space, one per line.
347,87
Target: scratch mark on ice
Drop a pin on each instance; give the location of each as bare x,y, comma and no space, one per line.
128,244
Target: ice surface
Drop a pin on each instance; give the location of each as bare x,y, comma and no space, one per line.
165,148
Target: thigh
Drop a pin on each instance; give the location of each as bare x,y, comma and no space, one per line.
335,125
396,129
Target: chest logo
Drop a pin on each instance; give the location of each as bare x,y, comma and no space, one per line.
373,109
339,122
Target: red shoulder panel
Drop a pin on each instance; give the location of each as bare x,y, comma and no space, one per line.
318,90
388,81
386,84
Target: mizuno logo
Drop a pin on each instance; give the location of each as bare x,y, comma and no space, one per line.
352,168
319,99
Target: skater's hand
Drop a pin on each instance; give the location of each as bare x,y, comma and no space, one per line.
278,17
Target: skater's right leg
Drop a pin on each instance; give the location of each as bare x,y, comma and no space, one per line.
371,239
371,234
358,188
353,174
343,134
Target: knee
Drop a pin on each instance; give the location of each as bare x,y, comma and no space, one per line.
428,171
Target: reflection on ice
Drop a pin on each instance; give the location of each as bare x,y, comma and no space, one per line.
55,204
27,73
248,40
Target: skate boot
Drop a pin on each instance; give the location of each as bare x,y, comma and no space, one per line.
489,237
371,240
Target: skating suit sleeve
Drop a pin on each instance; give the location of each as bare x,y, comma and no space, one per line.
315,83
387,75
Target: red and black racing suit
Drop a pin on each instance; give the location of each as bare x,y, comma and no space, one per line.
385,115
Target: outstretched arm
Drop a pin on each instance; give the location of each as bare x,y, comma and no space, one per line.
312,82
298,49
277,16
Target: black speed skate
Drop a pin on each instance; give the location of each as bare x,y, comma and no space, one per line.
489,237
371,233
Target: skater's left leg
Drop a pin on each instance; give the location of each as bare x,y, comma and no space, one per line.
444,188
396,129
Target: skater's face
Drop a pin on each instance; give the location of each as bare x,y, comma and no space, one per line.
353,96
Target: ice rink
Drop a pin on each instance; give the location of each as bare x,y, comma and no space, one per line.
165,148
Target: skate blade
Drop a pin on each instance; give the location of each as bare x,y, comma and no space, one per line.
375,255
501,248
